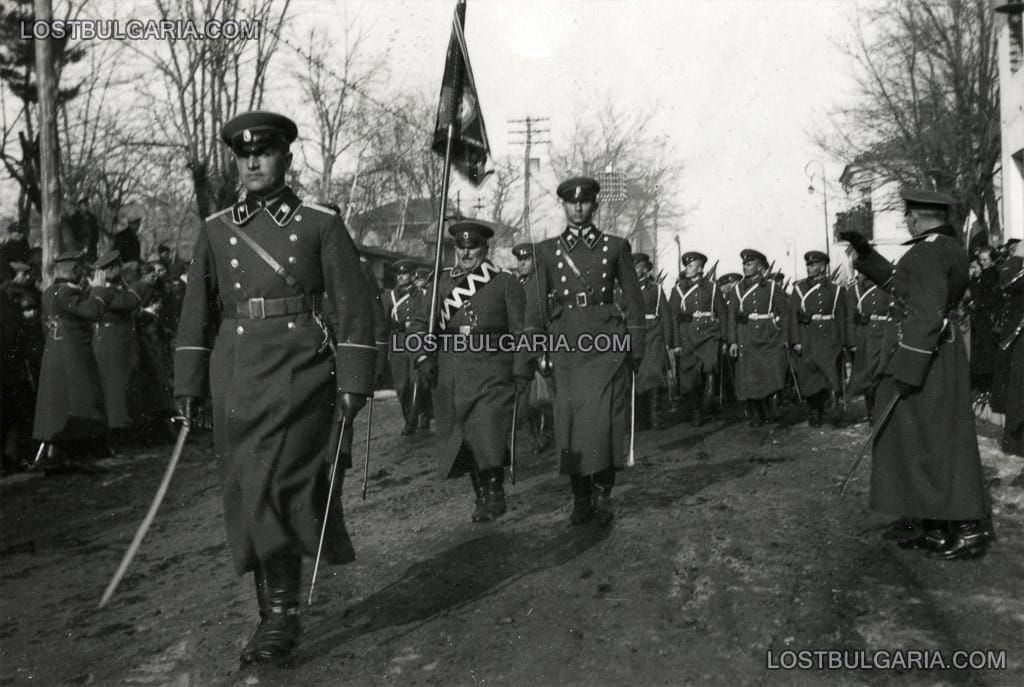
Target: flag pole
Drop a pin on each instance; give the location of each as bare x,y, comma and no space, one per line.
445,179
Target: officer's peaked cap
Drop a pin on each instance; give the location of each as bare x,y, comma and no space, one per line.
578,188
815,256
642,258
920,196
748,254
692,255
258,127
523,250
470,233
108,259
404,266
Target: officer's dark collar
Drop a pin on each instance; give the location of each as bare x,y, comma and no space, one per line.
588,234
458,273
281,206
946,230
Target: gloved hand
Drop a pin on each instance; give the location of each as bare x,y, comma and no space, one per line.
543,365
904,389
521,384
857,241
635,361
187,407
427,370
350,404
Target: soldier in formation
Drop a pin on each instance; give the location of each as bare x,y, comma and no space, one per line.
697,325
650,376
401,304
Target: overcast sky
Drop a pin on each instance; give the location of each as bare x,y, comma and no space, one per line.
738,87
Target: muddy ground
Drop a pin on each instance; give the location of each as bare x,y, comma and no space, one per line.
729,543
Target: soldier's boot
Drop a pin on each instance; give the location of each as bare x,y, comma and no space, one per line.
815,409
934,535
279,629
603,483
582,506
710,403
480,512
967,540
758,412
869,403
696,417
494,492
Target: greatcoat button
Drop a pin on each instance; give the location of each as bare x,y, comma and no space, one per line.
293,238
291,325
291,259
233,241
234,263
240,330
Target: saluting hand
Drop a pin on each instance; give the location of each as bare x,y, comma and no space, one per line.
857,241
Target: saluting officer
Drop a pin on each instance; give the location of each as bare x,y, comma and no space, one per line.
926,466
870,335
576,274
401,304
756,332
70,415
277,323
817,331
474,388
697,317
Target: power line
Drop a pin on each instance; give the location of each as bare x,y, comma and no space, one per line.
533,132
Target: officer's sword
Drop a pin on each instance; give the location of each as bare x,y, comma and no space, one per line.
792,371
366,453
512,443
327,511
869,441
148,520
631,458
39,456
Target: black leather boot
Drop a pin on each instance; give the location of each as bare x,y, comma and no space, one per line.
582,508
696,417
934,536
869,403
494,492
967,539
480,510
277,587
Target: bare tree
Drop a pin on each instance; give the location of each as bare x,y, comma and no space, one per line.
336,87
927,106
207,82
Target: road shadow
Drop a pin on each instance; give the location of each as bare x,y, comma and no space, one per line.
456,577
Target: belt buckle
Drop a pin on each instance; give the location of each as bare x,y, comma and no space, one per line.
256,309
581,300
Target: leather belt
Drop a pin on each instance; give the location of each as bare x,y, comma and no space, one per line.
880,318
650,317
580,299
262,308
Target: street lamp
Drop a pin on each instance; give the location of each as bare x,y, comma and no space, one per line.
824,198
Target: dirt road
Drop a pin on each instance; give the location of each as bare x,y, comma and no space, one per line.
730,553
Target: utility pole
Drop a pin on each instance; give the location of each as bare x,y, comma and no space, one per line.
49,185
533,131
479,207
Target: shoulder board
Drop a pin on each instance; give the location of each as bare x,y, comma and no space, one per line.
217,214
322,208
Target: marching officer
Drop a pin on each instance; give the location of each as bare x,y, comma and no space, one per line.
536,398
401,303
817,330
926,465
277,324
756,332
69,404
576,275
474,387
115,345
870,335
426,400
650,376
698,314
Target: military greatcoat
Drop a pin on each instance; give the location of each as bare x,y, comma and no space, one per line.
591,424
817,321
757,323
116,348
651,374
1011,344
69,404
697,317
475,387
401,306
926,461
870,329
259,343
